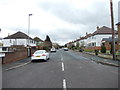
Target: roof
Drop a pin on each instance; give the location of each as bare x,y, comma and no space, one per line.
88,35
109,39
0,38
104,30
38,39
18,35
118,23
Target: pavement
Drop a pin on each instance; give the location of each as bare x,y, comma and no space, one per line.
101,58
64,70
13,65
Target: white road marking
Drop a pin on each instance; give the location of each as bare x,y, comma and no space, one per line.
64,85
18,66
63,68
61,58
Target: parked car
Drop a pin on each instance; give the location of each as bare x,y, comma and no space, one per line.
40,55
65,49
53,50
81,50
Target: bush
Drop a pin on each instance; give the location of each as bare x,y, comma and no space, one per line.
107,52
103,49
88,50
46,48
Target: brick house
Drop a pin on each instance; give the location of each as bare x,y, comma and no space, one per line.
118,26
108,41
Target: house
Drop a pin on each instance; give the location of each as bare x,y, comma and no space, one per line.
86,40
107,42
18,38
118,26
39,43
94,41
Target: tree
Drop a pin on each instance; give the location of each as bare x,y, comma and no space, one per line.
47,43
1,44
77,44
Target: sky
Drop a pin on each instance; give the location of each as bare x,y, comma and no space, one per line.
62,20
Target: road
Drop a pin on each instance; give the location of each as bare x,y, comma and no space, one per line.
65,69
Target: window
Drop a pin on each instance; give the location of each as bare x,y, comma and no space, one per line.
103,44
4,48
95,43
10,41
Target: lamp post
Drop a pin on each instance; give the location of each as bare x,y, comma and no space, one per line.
29,51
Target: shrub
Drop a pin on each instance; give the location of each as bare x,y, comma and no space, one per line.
107,52
88,50
103,49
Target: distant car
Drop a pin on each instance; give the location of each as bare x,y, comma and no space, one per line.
40,55
65,49
53,50
81,50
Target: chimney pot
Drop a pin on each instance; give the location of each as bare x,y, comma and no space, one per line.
97,27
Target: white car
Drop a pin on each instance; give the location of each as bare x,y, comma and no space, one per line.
40,55
65,49
53,50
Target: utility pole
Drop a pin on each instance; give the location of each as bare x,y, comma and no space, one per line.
113,32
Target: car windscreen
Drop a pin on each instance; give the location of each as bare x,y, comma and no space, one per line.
39,52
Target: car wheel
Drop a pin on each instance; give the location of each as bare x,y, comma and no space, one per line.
48,58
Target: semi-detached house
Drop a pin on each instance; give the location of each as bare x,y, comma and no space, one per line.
94,40
17,39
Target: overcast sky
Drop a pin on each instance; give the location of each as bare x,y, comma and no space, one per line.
62,20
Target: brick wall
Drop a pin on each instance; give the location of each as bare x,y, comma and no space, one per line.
107,45
16,55
94,48
119,36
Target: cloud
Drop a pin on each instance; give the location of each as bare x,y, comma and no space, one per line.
62,20
69,13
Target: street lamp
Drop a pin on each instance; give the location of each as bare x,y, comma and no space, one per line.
29,51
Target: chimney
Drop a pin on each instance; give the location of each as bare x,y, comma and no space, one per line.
97,27
8,34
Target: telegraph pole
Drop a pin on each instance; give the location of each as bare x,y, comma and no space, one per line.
113,32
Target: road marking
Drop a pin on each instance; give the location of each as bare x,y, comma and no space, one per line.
63,68
18,66
64,85
61,58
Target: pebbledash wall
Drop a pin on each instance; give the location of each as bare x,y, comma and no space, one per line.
16,55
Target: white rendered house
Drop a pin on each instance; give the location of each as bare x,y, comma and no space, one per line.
96,38
18,38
